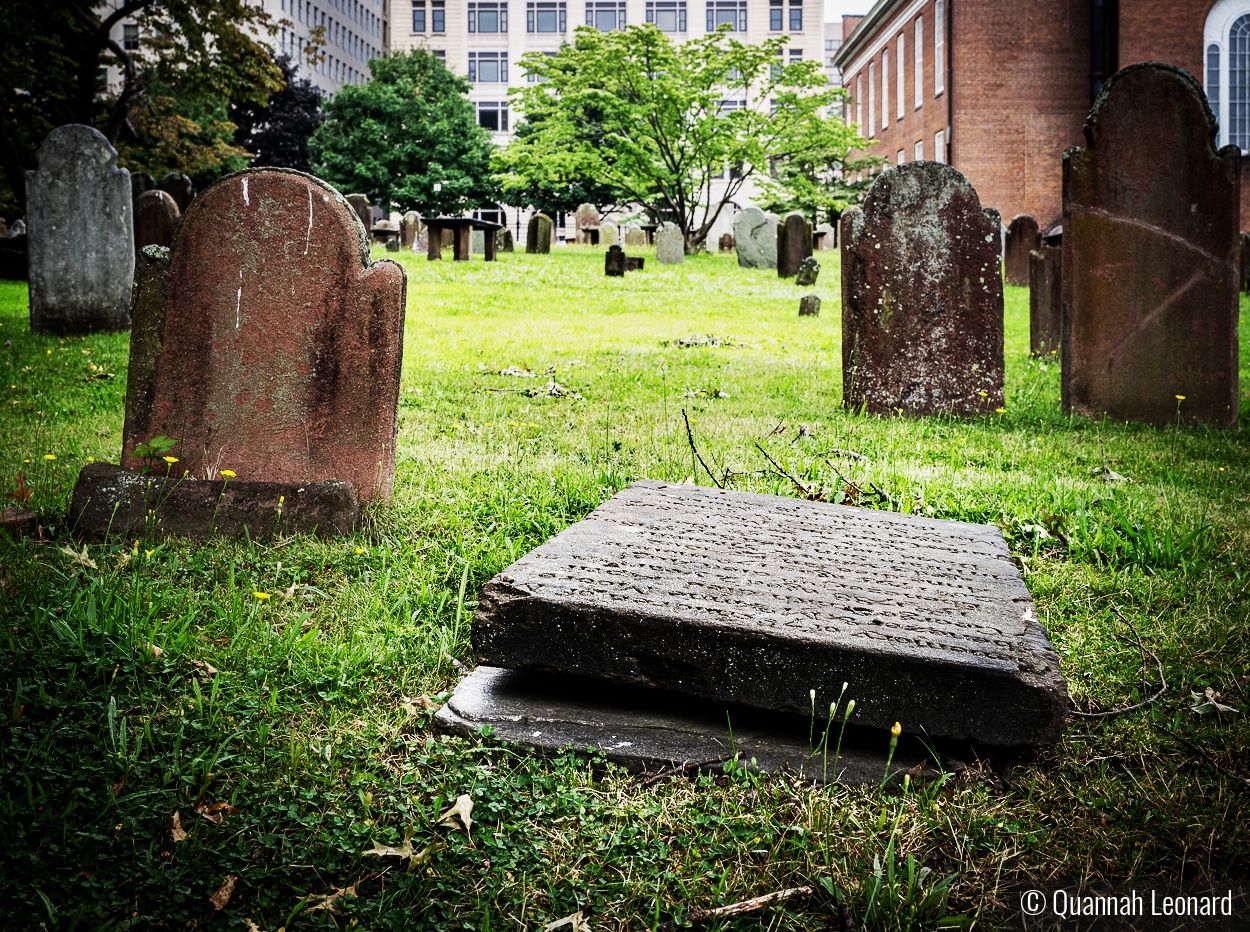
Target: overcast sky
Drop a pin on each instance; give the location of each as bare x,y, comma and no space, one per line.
836,9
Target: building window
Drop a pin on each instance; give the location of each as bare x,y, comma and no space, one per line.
493,115
418,15
796,55
902,75
728,106
533,78
668,15
859,100
796,15
488,67
488,17
918,155
546,17
900,156
130,37
918,45
776,14
490,216
1213,79
441,55
872,99
885,89
606,16
438,16
939,46
731,13
939,146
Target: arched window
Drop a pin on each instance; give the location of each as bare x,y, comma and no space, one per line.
1226,43
1239,82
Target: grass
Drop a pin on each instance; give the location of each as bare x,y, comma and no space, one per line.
289,735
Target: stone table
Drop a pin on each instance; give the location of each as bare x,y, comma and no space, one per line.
462,229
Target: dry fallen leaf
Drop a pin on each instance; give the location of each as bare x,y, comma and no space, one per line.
1209,701
327,901
419,859
576,923
176,831
414,706
156,651
251,926
219,899
461,812
207,668
216,812
80,559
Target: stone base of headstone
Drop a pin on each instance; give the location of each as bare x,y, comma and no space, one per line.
652,730
111,502
18,522
809,305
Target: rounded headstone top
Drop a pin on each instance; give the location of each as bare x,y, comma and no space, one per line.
1131,79
67,144
913,186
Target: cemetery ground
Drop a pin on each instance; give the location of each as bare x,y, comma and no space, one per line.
177,714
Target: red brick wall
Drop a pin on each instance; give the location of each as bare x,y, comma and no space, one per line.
1163,30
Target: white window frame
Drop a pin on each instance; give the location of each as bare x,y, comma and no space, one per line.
885,89
872,100
859,101
902,76
901,156
939,146
918,46
1216,32
939,47
918,155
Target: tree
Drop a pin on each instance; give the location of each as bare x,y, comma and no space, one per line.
819,184
277,132
664,123
410,128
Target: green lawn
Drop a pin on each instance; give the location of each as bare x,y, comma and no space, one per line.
153,681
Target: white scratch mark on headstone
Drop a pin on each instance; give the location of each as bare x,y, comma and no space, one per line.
308,238
238,307
246,200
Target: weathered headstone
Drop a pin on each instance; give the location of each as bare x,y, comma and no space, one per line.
538,235
1045,300
409,227
809,271
266,342
634,263
755,239
809,305
1245,262
680,587
1150,265
670,244
140,182
585,216
392,245
477,245
794,244
614,262
18,228
1023,236
634,236
156,219
81,241
179,187
726,243
503,240
607,234
824,238
922,296
364,210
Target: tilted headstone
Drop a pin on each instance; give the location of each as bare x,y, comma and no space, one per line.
634,236
614,262
1150,256
81,240
1045,300
1023,236
922,297
794,244
503,240
267,342
586,216
755,239
607,234
824,238
726,243
538,235
670,244
156,219
409,227
809,271
179,187
364,210
809,305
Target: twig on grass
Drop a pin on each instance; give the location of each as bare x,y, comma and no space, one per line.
1204,755
741,908
695,450
684,768
783,473
849,454
1163,685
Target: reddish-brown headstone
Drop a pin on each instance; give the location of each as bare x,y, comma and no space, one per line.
1150,256
364,210
794,244
1023,236
1045,299
922,296
269,344
179,187
156,219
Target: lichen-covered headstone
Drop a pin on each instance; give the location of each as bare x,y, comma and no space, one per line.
794,244
409,227
670,244
179,187
922,296
1045,299
538,235
81,238
1023,236
503,240
809,305
755,239
809,271
266,342
634,236
614,262
1150,264
156,219
364,210
585,216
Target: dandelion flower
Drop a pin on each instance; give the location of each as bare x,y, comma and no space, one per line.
896,730
25,461
1180,397
359,551
281,499
1000,410
261,595
148,553
90,459
170,459
228,473
49,456
982,394
1221,469
49,352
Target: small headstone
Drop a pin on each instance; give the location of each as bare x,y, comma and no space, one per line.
1245,262
586,216
409,227
824,238
1150,243
503,240
634,263
794,244
809,305
1023,236
392,244
614,262
156,219
809,270
538,235
680,587
140,182
179,187
922,297
634,236
81,243
18,523
18,228
477,245
266,341
1045,299
364,210
607,234
670,245
726,243
755,239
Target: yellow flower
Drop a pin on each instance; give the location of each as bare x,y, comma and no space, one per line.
261,595
25,461
281,499
49,456
90,459
359,551
136,545
896,730
148,553
49,352
228,473
982,394
1180,397
170,459
1000,410
1221,469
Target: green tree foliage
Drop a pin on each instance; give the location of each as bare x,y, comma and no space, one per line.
679,129
819,184
406,130
278,132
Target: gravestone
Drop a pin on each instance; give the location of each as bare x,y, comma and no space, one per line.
503,240
409,227
670,245
794,244
18,228
585,216
140,182
809,271
156,219
809,305
179,187
1245,262
392,245
267,342
824,238
81,240
1045,300
634,236
477,243
364,210
538,235
614,262
607,234
1023,236
634,263
679,587
755,239
1150,265
922,296
726,243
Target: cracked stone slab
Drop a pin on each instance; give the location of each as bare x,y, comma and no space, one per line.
757,599
644,729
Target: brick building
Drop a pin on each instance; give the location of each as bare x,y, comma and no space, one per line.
999,88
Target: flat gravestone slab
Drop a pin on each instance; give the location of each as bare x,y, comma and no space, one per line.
758,599
644,729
